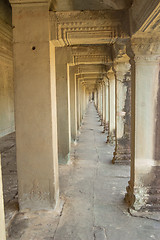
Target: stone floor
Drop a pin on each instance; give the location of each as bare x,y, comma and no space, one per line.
92,192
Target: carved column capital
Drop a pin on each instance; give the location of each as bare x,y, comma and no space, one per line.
146,49
110,75
122,67
106,82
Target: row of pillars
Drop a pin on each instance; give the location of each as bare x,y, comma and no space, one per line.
49,111
128,105
113,103
49,106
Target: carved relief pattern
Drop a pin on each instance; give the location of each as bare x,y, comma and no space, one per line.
146,49
73,26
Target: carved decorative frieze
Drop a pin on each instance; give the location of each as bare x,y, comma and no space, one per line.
94,59
86,27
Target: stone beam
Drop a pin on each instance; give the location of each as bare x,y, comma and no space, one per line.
144,16
90,55
87,27
91,75
91,68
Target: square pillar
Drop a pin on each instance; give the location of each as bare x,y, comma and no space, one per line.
143,192
103,103
63,105
100,101
111,127
35,106
122,153
107,105
84,96
73,101
95,98
78,102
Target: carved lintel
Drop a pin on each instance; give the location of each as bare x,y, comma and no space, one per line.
77,27
91,68
91,59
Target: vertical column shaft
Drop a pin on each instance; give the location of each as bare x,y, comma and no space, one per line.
63,105
122,112
73,102
111,132
35,107
143,191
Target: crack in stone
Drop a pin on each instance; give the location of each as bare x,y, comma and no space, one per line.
60,215
145,215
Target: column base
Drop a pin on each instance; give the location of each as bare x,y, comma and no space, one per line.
122,157
111,138
104,127
122,154
74,141
102,121
142,200
64,160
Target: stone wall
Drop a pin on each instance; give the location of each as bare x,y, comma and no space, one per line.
6,71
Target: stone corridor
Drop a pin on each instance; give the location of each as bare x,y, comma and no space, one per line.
92,190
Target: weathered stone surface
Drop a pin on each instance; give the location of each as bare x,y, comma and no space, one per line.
93,192
87,27
143,191
35,107
122,153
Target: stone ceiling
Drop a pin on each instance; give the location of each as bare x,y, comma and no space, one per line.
68,5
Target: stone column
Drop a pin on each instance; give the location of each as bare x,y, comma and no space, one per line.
87,98
2,221
81,101
63,105
35,106
100,101
103,121
78,102
122,112
95,98
107,105
143,193
111,127
73,102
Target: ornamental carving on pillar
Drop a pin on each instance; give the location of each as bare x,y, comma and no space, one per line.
146,46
